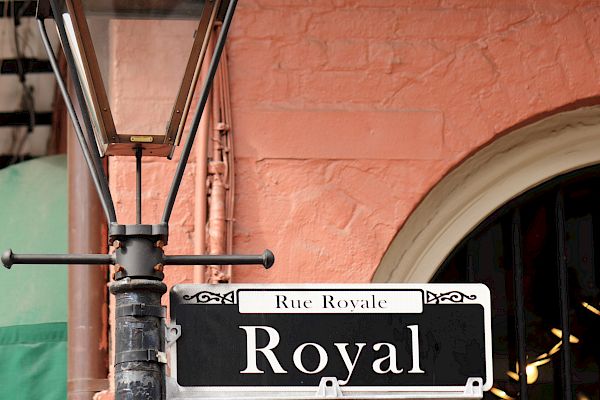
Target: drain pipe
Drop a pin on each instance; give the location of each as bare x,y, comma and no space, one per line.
87,294
216,209
220,176
200,183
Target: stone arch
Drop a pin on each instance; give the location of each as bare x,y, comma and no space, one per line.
499,172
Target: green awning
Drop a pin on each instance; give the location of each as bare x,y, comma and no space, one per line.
34,359
33,299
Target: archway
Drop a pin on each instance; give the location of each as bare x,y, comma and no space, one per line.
538,256
499,172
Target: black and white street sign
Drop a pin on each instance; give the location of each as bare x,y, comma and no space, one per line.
307,341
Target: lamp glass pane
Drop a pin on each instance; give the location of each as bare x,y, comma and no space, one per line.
83,72
142,48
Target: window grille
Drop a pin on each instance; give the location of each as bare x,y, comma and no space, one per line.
537,256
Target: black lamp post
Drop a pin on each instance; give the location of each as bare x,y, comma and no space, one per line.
138,258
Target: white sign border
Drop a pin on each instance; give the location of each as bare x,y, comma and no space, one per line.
434,293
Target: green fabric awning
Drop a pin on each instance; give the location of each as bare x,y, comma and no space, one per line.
34,359
33,299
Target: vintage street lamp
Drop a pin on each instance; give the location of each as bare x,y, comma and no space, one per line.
138,257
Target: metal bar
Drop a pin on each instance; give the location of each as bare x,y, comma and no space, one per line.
29,11
266,259
29,65
563,295
138,185
519,303
187,148
27,99
22,118
93,163
9,259
61,128
470,268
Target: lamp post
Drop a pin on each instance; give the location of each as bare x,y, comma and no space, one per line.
139,258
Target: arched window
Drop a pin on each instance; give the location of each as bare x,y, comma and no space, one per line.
537,255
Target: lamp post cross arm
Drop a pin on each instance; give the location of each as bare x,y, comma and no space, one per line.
9,259
266,259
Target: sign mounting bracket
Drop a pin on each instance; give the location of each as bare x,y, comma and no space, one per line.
329,388
172,333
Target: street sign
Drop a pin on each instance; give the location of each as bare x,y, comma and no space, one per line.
317,341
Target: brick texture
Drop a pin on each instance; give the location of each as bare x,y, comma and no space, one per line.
347,112
365,103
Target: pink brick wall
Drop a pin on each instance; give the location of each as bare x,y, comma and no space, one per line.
347,112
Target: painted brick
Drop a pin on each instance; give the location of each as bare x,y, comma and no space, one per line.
256,53
303,54
385,3
573,48
481,66
447,23
503,18
347,23
352,203
295,4
271,23
381,56
339,134
347,112
343,88
346,54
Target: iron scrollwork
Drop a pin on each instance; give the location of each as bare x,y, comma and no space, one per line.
454,297
206,297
